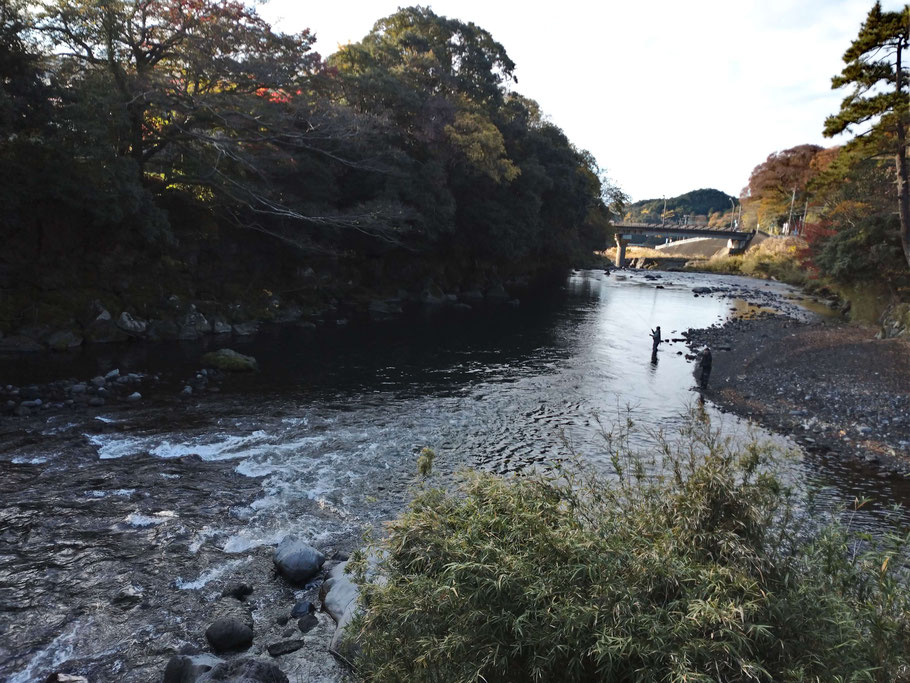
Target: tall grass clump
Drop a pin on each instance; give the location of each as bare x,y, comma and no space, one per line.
691,565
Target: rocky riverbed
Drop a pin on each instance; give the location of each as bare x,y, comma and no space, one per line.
833,387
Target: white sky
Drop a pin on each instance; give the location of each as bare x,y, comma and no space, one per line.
669,96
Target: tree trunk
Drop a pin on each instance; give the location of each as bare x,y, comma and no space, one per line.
903,193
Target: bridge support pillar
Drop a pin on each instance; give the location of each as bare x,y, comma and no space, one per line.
621,243
735,247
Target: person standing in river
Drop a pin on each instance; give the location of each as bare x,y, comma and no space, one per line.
655,337
704,374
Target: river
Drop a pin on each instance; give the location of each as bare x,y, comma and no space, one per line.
118,527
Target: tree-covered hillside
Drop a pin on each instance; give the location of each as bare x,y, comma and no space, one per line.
705,202
157,148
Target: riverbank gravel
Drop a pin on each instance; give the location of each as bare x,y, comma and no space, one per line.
833,387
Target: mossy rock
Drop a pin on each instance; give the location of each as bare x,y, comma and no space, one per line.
229,360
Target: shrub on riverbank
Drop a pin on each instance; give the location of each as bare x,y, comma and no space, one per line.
692,567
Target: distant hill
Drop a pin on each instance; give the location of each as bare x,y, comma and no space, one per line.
696,203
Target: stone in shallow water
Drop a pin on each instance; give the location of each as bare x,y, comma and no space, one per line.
229,360
302,608
297,561
307,623
237,590
284,647
229,633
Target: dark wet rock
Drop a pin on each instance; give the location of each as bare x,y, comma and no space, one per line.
192,325
472,295
284,647
22,411
64,340
701,290
130,325
301,608
245,670
238,591
80,388
135,396
297,561
282,620
99,381
229,633
246,329
188,668
307,623
65,678
112,375
220,326
229,360
162,329
96,402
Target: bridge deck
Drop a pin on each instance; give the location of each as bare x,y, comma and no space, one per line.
674,229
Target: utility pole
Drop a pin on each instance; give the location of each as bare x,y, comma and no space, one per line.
790,218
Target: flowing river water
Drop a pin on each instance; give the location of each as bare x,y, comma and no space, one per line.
118,527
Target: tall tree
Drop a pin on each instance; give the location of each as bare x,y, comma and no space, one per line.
880,99
176,67
779,184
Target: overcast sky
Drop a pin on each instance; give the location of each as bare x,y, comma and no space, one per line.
669,96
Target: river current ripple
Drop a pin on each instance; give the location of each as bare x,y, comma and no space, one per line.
119,527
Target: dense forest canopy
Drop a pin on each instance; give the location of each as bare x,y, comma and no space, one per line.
145,136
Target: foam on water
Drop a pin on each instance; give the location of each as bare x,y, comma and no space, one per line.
22,460
209,575
49,658
139,520
105,494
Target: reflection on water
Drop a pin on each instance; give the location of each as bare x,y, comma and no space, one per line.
166,499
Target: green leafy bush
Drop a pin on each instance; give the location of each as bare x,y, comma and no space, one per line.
690,565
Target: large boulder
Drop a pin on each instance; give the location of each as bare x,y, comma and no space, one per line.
339,598
192,325
297,561
64,340
229,361
130,325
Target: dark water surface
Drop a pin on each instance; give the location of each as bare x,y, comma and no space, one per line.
119,526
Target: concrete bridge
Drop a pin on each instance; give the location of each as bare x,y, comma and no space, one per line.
737,240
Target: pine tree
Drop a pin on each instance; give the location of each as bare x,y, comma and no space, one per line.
880,97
